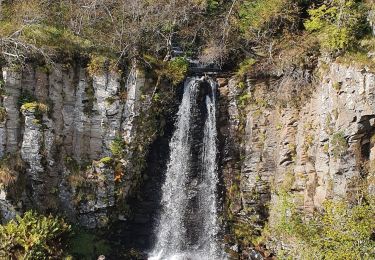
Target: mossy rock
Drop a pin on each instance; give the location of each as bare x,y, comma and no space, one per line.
106,160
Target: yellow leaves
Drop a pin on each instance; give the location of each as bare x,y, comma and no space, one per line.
35,107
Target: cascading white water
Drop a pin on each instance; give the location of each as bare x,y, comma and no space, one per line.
172,231
208,189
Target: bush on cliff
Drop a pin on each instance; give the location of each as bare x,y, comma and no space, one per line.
338,24
174,70
339,231
33,236
266,17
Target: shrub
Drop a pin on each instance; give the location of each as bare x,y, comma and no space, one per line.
35,107
7,175
338,24
176,70
359,58
268,15
96,65
336,86
339,231
53,38
2,88
106,160
117,146
286,221
245,67
86,245
212,5
244,99
339,144
33,237
344,231
288,180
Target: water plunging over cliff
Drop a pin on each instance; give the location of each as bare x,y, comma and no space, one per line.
188,226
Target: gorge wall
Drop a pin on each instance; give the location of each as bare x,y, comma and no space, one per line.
74,143
85,146
314,141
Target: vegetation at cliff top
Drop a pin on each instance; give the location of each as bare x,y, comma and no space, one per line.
273,32
33,236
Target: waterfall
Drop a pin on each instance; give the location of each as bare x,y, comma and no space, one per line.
208,190
188,226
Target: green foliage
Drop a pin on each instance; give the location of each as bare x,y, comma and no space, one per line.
289,178
244,99
338,24
339,144
54,37
286,220
117,147
44,28
244,232
33,237
86,245
256,15
174,70
106,160
339,231
245,67
100,64
344,231
212,5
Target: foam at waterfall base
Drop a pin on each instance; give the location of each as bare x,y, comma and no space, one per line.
184,256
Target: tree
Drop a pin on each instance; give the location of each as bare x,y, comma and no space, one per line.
338,24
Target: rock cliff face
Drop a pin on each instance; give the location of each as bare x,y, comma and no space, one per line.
65,126
80,145
313,140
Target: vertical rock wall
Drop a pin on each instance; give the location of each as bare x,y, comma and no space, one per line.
66,146
316,141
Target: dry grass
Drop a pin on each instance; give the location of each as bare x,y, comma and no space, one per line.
10,166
